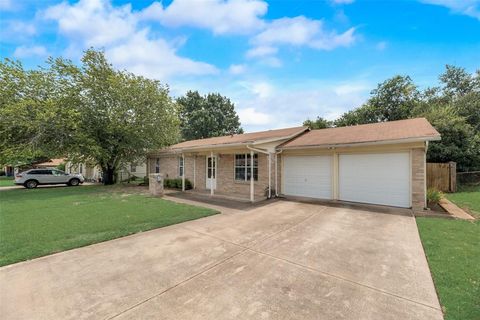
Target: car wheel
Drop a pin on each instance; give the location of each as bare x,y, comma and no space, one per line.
74,182
31,184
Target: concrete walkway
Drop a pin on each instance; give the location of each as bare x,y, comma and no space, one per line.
283,260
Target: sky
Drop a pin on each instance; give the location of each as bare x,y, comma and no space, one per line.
280,62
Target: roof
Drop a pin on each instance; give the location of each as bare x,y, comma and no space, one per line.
51,163
245,138
392,131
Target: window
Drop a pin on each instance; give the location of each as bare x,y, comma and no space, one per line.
180,166
243,167
157,165
81,168
133,168
43,172
58,173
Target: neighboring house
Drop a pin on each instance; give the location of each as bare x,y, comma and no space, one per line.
53,163
381,163
13,170
10,171
93,173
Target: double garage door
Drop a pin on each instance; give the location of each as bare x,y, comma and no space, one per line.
380,178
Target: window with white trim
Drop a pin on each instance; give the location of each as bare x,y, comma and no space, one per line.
243,167
180,166
133,168
157,165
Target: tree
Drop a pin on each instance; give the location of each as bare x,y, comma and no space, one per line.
453,108
90,112
34,124
457,81
122,115
459,141
207,116
393,99
319,123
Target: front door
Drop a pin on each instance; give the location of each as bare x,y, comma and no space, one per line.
211,172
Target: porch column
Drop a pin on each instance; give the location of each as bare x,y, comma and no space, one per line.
276,174
269,175
335,176
194,169
252,181
211,177
183,172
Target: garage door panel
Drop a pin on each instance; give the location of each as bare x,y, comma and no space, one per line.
308,176
375,178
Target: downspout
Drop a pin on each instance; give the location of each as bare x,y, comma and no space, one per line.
276,171
425,176
269,168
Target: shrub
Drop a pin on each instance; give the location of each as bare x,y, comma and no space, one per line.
2,173
434,195
177,184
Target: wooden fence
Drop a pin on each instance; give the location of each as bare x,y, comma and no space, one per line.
442,176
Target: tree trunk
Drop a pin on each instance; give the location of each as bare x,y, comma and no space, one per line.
108,175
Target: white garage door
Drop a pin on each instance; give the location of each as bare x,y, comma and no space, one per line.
375,178
308,176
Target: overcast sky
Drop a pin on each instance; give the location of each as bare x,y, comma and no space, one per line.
279,61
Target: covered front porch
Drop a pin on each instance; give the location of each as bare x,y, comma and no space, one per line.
242,173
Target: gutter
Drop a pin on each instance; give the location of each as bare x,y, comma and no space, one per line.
382,142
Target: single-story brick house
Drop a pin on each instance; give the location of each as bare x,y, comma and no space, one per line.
382,163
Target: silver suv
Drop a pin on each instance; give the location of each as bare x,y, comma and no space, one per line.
32,178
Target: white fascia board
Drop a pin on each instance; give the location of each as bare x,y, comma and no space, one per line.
369,143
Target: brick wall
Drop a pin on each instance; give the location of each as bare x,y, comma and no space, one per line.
226,183
418,178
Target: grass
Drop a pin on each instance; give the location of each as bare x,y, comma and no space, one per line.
467,197
6,181
453,252
38,222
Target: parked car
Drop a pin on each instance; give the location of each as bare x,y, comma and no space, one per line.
32,178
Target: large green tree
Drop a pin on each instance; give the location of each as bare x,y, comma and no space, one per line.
34,121
211,115
90,112
453,108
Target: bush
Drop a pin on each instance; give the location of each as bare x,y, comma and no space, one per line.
2,173
434,195
177,184
61,166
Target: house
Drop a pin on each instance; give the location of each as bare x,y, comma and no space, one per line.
93,173
52,163
12,170
382,163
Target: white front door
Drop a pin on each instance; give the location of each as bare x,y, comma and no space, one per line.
211,172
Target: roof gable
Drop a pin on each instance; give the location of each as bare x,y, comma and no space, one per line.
245,138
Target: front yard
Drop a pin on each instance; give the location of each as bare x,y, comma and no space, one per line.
43,221
453,253
6,181
467,197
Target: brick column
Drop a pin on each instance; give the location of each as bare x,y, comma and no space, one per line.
418,179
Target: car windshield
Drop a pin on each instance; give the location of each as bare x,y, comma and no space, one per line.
58,172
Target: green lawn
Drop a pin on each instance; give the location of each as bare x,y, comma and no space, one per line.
6,181
453,252
467,197
42,221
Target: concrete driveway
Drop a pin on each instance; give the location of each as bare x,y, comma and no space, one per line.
283,260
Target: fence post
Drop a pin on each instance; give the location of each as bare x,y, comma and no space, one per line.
452,166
